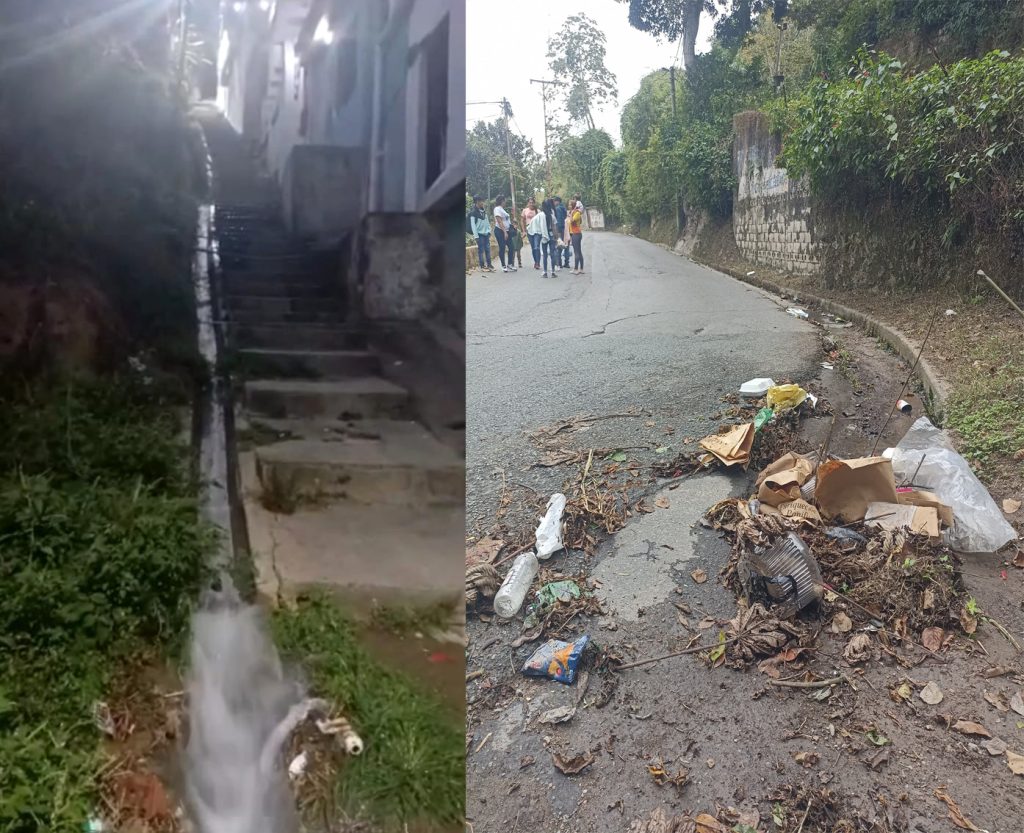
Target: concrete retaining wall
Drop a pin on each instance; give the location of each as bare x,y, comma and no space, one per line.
322,192
772,218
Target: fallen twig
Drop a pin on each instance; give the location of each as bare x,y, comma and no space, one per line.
1003,631
694,650
811,684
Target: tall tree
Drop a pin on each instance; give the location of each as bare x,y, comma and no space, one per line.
671,19
579,161
584,84
487,170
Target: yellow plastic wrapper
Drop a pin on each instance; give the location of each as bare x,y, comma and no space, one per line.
784,397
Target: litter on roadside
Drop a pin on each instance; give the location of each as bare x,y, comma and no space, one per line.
558,591
797,312
732,446
783,397
845,488
828,365
513,590
785,577
756,388
925,456
549,532
557,660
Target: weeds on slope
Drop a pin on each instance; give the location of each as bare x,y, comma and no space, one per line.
413,769
101,555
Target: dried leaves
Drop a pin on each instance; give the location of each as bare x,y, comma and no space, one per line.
574,765
858,649
758,634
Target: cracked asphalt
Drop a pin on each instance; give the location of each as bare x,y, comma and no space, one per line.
642,328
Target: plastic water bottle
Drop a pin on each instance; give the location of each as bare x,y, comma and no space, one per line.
512,592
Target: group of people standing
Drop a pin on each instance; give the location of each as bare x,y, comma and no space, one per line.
554,230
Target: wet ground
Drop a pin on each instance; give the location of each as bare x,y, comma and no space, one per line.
736,737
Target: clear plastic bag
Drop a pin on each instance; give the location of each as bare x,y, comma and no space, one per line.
926,455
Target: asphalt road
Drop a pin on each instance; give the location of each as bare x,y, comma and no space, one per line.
643,327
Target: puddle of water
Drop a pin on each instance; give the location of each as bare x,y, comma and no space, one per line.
439,667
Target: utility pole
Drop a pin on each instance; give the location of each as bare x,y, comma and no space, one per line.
506,110
779,77
544,103
672,81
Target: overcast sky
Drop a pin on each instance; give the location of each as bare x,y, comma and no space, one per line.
505,50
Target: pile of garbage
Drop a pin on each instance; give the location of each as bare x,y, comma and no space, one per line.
877,539
742,444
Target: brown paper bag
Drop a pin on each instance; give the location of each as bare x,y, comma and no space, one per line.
733,446
919,497
846,487
781,481
801,510
920,519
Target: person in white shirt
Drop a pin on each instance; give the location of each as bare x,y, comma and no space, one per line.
540,236
502,227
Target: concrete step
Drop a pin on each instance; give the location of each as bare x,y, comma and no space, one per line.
305,364
276,304
378,462
361,554
365,397
322,316
277,285
295,337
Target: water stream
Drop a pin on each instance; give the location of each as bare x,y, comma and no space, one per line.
243,705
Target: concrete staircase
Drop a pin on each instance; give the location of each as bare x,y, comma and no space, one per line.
342,487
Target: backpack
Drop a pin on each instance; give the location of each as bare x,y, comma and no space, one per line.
474,212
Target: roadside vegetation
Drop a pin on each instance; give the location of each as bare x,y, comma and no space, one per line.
412,773
101,548
101,555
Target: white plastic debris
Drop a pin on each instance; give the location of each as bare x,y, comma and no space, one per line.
950,313
756,388
813,400
926,455
828,365
549,532
797,312
297,767
750,274
340,726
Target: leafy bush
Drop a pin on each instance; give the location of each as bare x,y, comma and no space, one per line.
948,136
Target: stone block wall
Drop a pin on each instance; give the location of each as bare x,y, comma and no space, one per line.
772,217
408,267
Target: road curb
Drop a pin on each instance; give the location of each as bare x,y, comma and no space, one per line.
936,389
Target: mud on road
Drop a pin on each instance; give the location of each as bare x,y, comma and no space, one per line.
676,738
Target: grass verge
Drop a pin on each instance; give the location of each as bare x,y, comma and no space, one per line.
413,770
101,555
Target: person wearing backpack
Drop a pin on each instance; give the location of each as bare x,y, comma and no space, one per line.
480,227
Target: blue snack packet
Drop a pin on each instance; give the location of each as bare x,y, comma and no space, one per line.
556,660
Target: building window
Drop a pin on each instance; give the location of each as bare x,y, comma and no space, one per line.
435,52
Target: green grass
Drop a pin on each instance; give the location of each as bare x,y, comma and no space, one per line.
101,556
403,620
413,769
987,408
